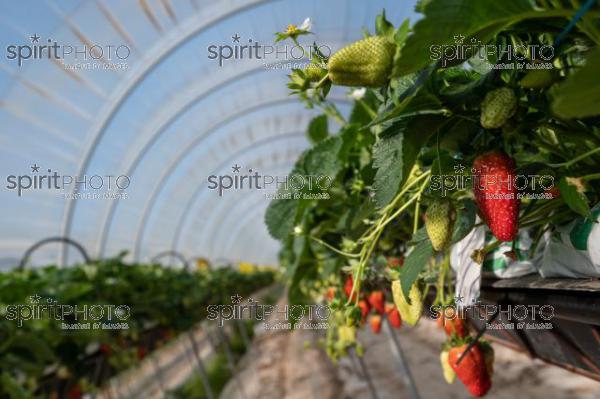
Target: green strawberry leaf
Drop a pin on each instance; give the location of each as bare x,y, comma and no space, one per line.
323,159
409,100
420,5
73,293
445,19
414,264
401,33
303,267
12,387
318,129
465,220
395,154
284,212
383,27
459,134
574,199
34,345
280,217
392,159
400,36
577,98
419,236
349,134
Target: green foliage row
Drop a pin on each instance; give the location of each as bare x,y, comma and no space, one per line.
39,357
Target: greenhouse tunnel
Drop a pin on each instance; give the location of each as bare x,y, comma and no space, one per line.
149,155
168,121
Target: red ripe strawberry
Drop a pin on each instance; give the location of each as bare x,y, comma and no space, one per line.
168,334
554,192
496,193
364,309
141,352
106,349
472,370
395,263
329,294
348,287
377,301
453,324
440,320
375,322
75,392
393,315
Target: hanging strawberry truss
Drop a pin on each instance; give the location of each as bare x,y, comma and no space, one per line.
446,114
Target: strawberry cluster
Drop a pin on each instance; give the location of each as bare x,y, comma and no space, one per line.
471,362
373,307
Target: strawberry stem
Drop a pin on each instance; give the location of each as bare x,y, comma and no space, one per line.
367,108
575,160
479,254
371,237
322,81
334,249
591,177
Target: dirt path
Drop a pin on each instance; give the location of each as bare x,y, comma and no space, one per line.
281,365
516,376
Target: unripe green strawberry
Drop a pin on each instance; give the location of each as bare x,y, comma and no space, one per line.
538,79
367,62
497,107
347,335
314,73
410,312
449,374
439,222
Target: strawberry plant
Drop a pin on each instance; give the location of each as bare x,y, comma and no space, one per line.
428,111
40,359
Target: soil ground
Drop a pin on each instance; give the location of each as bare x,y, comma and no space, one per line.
286,364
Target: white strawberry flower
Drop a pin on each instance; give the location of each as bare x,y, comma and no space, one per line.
306,25
358,94
292,31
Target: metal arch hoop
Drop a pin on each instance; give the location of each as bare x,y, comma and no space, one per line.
200,189
108,218
133,83
65,240
217,212
211,245
107,221
174,254
149,204
239,228
173,166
